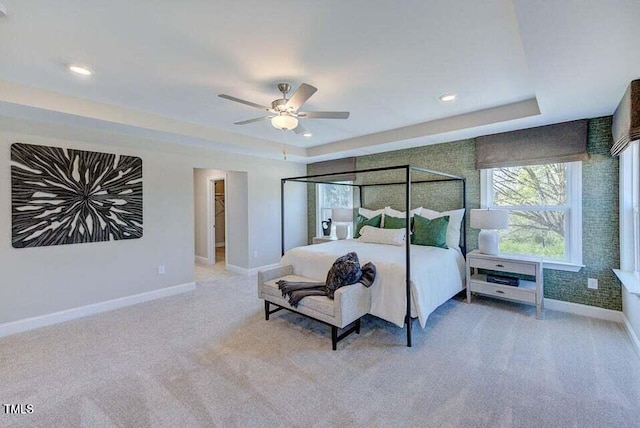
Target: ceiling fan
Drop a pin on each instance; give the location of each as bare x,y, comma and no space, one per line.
284,112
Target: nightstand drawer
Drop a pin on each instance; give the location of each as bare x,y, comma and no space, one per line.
507,292
503,266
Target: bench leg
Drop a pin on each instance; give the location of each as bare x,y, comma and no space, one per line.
268,311
334,337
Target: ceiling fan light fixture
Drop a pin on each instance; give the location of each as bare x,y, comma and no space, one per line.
284,122
80,69
447,97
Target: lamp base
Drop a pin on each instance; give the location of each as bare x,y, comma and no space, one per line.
488,242
342,231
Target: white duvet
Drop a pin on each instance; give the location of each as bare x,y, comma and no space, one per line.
436,274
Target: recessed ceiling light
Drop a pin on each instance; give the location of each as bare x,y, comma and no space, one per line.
447,97
79,69
307,134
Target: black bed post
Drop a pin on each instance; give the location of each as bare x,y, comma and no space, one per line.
408,255
360,196
282,216
464,218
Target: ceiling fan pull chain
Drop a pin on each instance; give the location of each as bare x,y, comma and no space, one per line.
284,146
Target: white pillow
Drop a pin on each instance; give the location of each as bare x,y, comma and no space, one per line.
371,213
453,229
401,214
377,235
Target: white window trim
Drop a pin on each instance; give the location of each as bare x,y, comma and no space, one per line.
573,241
629,218
319,213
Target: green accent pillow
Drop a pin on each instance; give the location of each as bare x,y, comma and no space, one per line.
363,221
430,232
391,222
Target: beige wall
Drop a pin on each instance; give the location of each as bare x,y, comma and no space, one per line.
237,226
39,281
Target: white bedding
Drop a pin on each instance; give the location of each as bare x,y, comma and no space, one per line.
436,274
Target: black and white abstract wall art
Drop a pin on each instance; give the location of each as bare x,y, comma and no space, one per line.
65,196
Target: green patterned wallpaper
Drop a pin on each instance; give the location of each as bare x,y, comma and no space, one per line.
601,251
600,229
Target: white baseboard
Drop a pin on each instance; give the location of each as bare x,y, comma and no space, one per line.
96,308
584,310
202,259
249,272
219,244
631,333
236,269
254,271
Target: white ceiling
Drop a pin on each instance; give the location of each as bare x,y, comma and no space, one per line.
159,66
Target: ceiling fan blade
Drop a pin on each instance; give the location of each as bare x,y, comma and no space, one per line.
258,119
301,95
324,114
299,129
238,100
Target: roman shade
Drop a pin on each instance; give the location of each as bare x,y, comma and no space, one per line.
562,142
626,119
336,165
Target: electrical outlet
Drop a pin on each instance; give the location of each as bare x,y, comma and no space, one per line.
161,270
255,254
592,283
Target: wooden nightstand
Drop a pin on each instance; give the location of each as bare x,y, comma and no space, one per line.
527,292
321,239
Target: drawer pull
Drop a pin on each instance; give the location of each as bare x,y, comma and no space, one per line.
499,291
499,265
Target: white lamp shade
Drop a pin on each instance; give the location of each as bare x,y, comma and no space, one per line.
342,215
284,122
489,219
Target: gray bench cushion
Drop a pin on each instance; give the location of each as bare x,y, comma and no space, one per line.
321,304
349,303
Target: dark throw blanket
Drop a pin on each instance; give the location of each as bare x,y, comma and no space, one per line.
346,270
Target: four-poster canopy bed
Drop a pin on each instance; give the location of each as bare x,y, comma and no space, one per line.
408,180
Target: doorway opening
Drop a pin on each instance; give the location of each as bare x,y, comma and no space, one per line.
210,222
217,220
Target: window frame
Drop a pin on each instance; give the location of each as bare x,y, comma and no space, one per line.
319,208
572,218
629,183
629,208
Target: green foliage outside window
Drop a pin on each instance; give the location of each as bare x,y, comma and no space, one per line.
536,197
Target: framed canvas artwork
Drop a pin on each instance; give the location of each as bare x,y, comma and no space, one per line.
66,196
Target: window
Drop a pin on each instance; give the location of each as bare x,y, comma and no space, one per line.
330,196
545,205
629,204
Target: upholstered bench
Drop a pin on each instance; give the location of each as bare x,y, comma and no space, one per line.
349,304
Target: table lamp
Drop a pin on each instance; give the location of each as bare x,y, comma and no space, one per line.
489,221
342,217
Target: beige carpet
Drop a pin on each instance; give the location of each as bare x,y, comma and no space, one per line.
208,358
